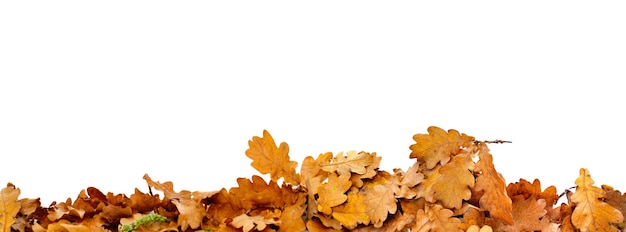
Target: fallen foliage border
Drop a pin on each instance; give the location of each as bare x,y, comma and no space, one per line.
452,186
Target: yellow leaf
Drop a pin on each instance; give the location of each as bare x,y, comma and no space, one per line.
332,194
267,158
353,212
438,145
591,213
494,198
9,206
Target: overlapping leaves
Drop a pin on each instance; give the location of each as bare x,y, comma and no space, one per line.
452,186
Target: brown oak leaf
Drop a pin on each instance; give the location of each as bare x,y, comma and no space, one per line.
454,183
435,218
247,223
268,158
380,199
438,145
527,214
527,189
492,184
332,193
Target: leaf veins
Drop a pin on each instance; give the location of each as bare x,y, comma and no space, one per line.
438,145
268,158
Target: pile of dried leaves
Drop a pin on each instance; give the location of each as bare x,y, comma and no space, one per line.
452,186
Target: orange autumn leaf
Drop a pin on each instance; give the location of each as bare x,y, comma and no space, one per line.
9,206
436,218
454,183
268,158
380,199
408,180
353,212
191,210
527,214
494,198
591,213
332,193
527,189
438,145
291,218
311,168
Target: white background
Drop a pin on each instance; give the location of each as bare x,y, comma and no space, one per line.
98,94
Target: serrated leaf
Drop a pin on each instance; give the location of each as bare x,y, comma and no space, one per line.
268,158
591,213
438,145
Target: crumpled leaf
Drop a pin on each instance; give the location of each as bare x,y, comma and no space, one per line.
267,158
494,198
9,206
332,193
191,210
527,189
591,213
351,162
408,180
438,145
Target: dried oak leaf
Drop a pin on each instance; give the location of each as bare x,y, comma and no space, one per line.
191,210
353,211
267,158
9,206
291,218
455,180
438,145
311,168
435,218
380,197
351,162
591,213
527,189
257,193
527,214
247,223
370,171
492,184
332,193
615,198
143,202
408,180
316,226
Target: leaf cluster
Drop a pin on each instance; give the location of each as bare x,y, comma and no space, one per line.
452,185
